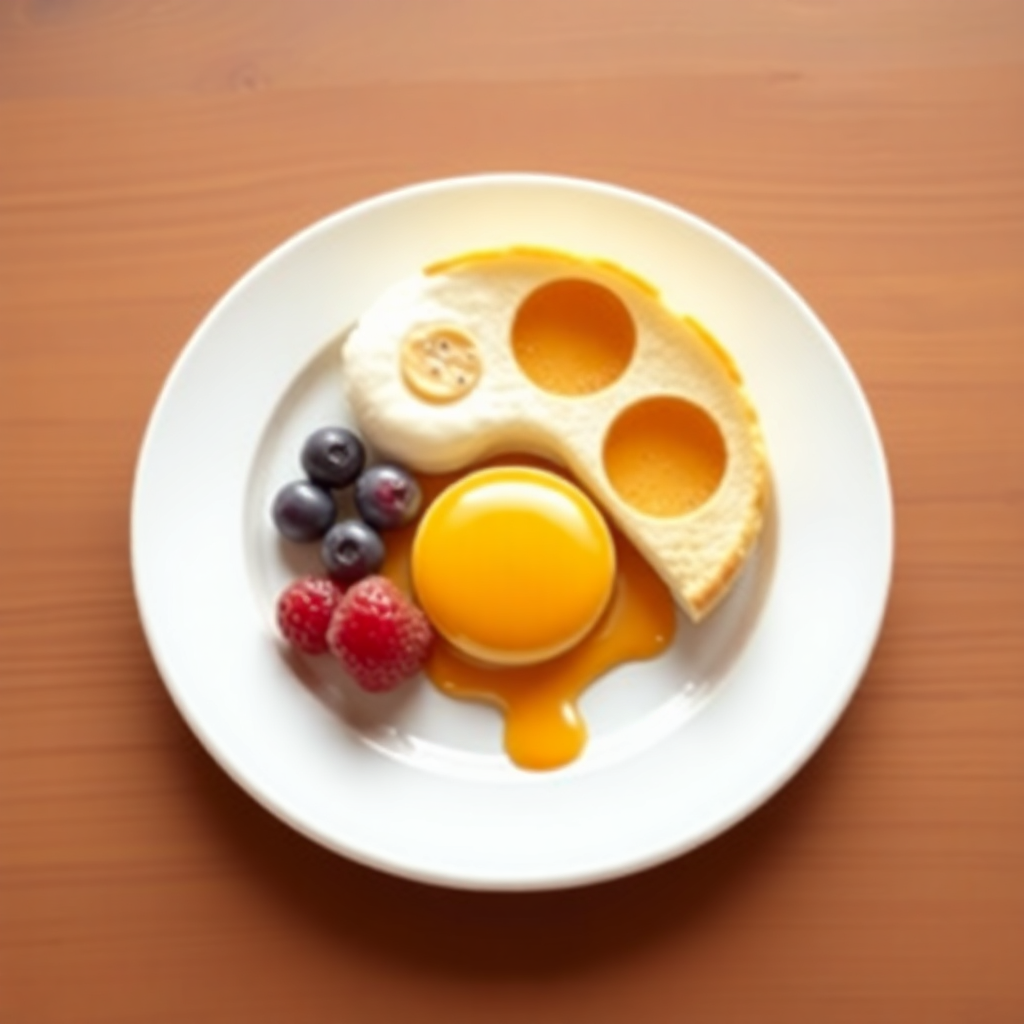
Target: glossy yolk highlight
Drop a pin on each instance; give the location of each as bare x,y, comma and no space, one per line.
543,726
513,565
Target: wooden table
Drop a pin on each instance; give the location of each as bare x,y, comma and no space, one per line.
151,151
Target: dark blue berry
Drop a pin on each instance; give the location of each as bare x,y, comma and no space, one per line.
351,550
387,497
303,512
333,457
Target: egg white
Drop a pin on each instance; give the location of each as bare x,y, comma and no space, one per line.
698,554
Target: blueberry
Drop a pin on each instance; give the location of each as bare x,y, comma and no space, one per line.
351,550
387,496
333,457
303,512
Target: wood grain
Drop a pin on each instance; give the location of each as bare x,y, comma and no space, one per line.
151,151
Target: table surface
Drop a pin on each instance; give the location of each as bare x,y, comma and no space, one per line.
151,152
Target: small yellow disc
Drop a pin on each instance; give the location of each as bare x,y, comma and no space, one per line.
440,364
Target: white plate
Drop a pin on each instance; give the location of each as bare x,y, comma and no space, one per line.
416,784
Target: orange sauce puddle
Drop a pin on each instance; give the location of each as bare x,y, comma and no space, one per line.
543,726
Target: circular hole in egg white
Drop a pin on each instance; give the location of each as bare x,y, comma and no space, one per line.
664,456
573,337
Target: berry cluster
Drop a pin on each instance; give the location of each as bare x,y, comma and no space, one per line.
379,636
305,510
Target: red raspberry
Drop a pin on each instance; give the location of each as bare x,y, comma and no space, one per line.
379,636
304,612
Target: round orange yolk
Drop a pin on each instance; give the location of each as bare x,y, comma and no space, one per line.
513,565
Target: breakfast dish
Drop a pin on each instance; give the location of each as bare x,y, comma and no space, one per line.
692,715
526,352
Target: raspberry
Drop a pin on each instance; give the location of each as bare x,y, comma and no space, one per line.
379,636
304,612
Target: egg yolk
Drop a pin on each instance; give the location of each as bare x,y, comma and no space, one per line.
543,726
513,565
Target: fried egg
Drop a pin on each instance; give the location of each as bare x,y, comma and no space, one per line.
510,559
